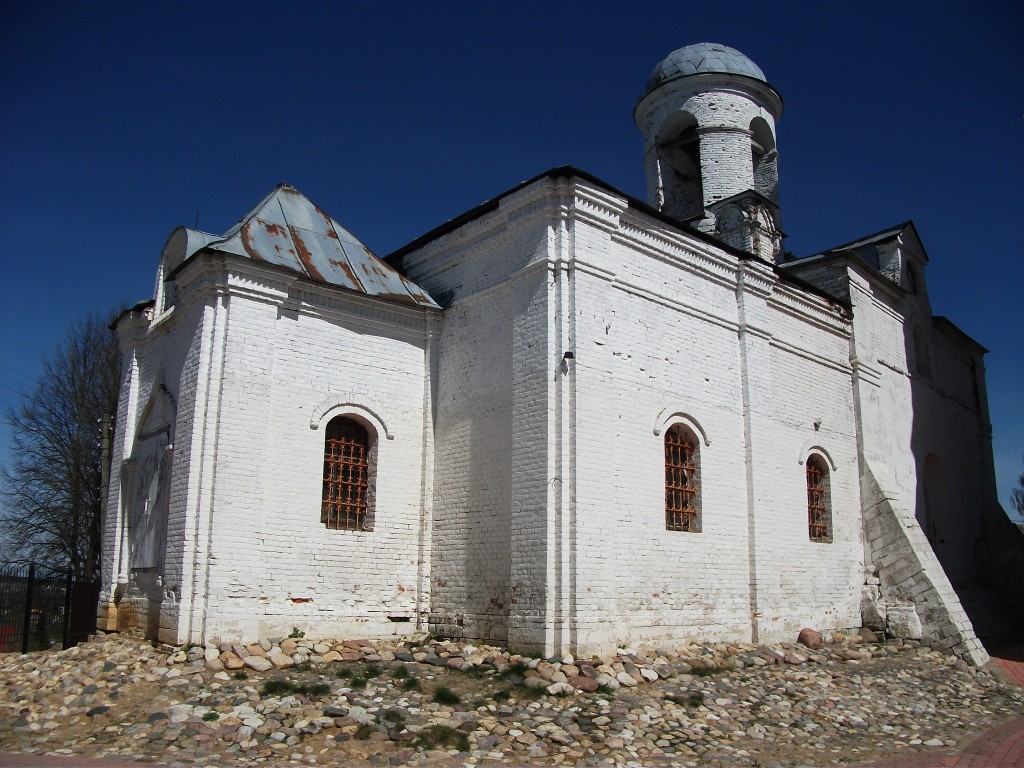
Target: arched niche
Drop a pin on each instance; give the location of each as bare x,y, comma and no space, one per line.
146,483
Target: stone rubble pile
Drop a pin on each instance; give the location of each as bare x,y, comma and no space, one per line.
357,702
557,675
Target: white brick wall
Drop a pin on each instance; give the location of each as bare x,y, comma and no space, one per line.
255,361
520,455
653,328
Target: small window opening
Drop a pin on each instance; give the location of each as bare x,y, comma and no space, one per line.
682,481
819,513
346,475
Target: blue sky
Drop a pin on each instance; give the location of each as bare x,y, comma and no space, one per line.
121,121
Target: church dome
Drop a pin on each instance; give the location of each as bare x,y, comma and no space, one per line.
700,58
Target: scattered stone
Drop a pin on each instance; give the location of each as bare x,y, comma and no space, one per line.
867,635
231,661
585,684
809,638
282,661
626,679
258,663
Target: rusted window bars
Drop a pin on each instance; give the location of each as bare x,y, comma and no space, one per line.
819,517
682,481
346,475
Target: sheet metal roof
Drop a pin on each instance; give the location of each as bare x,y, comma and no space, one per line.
288,230
703,57
866,248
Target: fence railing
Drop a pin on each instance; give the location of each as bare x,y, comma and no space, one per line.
41,606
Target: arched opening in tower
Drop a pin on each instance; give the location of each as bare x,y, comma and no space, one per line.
765,159
679,162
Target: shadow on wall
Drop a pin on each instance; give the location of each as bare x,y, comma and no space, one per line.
979,548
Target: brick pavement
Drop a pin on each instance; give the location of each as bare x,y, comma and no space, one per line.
1011,659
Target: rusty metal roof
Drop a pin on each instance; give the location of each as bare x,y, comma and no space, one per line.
288,230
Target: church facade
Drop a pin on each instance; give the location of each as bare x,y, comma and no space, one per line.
564,421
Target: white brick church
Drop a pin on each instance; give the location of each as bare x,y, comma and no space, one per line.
566,420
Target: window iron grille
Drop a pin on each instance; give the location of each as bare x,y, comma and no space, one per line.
682,489
346,475
818,517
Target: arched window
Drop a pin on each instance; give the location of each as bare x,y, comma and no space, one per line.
346,490
819,506
682,481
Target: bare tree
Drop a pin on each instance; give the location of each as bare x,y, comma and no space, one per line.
51,488
1017,497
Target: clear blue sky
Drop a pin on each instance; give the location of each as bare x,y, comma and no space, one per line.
121,121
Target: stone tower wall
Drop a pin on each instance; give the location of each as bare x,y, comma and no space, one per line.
724,114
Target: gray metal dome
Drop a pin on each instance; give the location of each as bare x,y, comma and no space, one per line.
703,57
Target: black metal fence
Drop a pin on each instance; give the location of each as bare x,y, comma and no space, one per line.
41,606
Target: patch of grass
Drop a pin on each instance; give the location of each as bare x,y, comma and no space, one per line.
411,684
502,694
446,696
279,687
400,672
604,690
707,671
371,670
474,670
296,634
526,692
393,717
358,682
303,667
240,675
690,700
275,687
441,736
210,717
513,669
357,679
363,732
